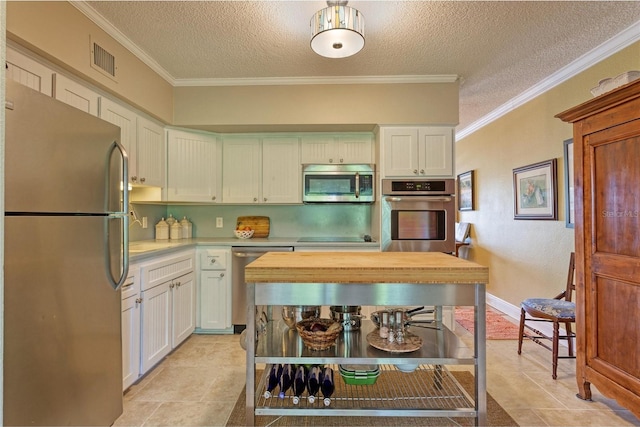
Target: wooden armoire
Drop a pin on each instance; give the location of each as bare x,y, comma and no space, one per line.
606,136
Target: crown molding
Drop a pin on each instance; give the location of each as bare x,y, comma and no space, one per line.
266,81
606,49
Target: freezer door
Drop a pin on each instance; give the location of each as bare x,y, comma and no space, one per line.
58,158
62,347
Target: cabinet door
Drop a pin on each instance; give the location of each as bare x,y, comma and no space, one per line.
319,149
215,300
130,341
76,95
194,167
151,152
183,294
28,72
156,325
400,150
435,151
355,149
281,171
242,172
127,121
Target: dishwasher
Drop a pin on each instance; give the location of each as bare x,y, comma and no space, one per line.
241,256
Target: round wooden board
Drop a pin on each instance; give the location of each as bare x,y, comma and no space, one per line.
411,343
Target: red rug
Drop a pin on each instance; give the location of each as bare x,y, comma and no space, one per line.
498,326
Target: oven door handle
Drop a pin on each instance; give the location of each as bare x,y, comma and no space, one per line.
418,199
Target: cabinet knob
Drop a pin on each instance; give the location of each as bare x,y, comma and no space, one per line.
212,261
134,178
143,179
265,199
172,285
415,171
341,160
213,198
138,300
422,171
330,160
255,199
221,274
178,284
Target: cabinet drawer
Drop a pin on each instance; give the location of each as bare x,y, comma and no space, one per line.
166,269
131,286
212,259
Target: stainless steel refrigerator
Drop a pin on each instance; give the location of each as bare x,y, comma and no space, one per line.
66,233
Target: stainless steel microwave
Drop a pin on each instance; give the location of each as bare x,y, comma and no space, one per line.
338,183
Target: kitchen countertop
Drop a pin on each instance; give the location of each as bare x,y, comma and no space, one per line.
146,248
364,267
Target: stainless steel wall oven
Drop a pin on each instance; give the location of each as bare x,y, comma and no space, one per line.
418,215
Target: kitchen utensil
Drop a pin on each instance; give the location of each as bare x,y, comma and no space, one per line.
243,234
375,317
319,340
292,314
347,315
259,224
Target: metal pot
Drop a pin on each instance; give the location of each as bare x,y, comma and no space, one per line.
348,315
292,314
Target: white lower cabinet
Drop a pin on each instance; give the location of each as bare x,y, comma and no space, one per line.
168,306
131,328
215,291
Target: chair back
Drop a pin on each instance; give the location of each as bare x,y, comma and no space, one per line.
571,286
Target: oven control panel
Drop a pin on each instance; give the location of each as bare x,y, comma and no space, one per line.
392,187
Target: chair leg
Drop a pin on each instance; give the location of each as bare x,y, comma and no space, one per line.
556,335
520,335
570,343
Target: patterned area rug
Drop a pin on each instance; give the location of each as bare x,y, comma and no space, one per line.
499,327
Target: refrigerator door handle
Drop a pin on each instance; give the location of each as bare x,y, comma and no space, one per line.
124,216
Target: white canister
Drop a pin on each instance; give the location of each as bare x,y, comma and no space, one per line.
186,228
162,230
171,220
175,231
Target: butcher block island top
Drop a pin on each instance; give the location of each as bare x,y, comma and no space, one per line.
364,267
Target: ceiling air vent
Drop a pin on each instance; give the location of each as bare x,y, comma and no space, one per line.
102,60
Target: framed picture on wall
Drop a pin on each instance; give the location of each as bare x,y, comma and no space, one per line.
465,191
570,214
535,191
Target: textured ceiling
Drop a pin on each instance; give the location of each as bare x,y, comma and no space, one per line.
499,49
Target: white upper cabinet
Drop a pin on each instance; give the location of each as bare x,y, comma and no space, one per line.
143,140
242,170
337,149
194,167
127,121
261,170
28,72
150,153
281,171
417,152
76,94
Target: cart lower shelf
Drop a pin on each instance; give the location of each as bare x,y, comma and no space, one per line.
429,391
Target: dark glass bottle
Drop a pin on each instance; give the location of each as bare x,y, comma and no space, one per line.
327,386
299,383
286,380
313,383
274,378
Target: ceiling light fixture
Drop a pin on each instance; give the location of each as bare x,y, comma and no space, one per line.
337,31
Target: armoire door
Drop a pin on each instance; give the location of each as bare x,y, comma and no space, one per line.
611,259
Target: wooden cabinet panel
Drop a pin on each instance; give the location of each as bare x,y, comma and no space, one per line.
76,95
28,72
607,177
151,152
281,171
194,167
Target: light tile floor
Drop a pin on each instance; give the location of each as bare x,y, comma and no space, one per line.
199,383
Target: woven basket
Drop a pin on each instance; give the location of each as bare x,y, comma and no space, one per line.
320,340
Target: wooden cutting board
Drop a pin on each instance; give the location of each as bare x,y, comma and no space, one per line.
259,224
